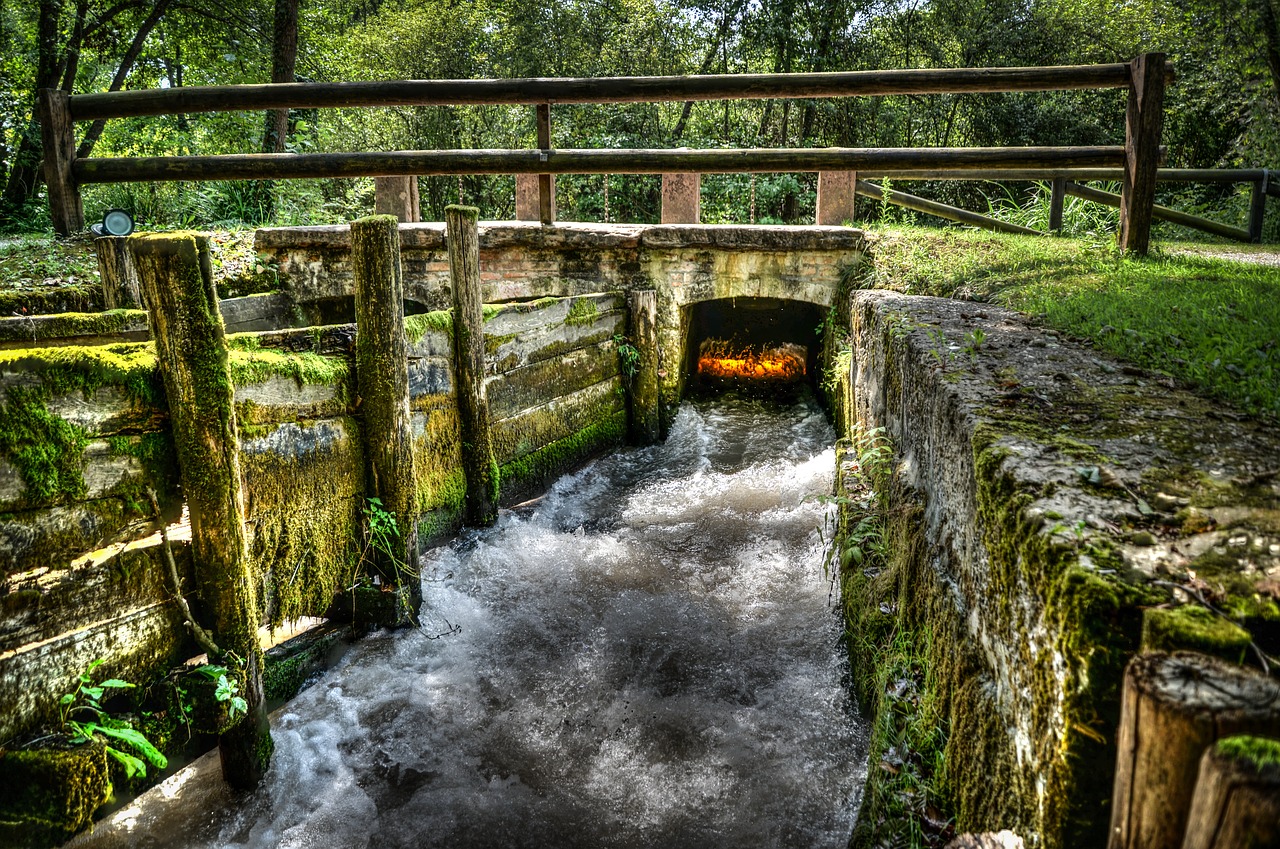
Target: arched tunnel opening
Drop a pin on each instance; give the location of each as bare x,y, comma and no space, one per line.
757,345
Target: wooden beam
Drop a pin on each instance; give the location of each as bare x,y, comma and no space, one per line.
260,166
191,351
1162,213
1144,120
478,465
382,384
397,196
186,99
1079,175
837,194
546,182
942,210
57,135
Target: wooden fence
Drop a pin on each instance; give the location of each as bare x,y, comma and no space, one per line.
1137,160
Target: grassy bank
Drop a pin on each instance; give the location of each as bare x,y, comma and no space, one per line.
1213,323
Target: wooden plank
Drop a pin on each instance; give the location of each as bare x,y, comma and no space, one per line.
57,133
481,504
942,210
546,182
1172,707
1144,120
1162,213
191,351
382,384
260,166
170,101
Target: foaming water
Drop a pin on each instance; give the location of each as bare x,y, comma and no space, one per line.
647,657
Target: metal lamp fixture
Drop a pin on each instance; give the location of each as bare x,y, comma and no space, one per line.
115,222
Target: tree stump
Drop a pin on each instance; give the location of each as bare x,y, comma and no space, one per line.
191,350
382,383
120,286
1237,798
1174,706
481,505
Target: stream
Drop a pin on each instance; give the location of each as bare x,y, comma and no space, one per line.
647,656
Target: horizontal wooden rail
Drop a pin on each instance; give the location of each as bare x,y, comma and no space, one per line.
259,166
126,104
941,210
1080,175
1164,213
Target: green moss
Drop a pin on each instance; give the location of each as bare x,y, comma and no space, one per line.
582,311
130,366
417,326
1193,628
519,477
1259,753
47,451
50,794
306,368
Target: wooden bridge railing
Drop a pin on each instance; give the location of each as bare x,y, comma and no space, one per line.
1145,78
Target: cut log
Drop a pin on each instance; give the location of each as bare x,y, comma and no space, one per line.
120,287
1237,799
1174,706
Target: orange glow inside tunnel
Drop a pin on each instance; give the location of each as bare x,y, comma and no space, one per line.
724,360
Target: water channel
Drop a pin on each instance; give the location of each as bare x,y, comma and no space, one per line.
646,656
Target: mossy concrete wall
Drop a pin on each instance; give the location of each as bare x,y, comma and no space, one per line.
85,433
1041,502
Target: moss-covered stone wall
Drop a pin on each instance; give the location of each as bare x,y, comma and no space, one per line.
1040,504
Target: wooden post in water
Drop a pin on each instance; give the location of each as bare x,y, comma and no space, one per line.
462,236
1237,800
66,209
1174,706
382,383
191,350
120,286
1144,120
397,196
640,367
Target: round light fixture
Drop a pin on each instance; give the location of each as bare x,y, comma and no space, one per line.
117,222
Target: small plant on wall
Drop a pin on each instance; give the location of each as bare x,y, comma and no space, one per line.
82,716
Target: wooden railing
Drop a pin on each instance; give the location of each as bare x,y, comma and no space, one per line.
1137,159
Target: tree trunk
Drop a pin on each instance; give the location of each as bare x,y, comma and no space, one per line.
1173,707
284,58
191,349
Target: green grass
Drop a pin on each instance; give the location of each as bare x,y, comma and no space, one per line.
1211,322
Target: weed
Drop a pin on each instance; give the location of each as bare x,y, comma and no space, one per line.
628,357
82,716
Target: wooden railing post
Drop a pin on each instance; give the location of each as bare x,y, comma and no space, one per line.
58,136
546,182
382,383
1144,120
681,198
641,369
1258,207
191,350
1057,200
837,193
478,465
397,196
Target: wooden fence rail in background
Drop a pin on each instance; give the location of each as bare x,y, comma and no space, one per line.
1135,163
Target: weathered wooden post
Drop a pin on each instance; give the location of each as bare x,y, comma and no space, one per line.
191,350
1258,207
57,134
546,182
1057,200
837,193
529,197
640,367
462,236
1144,120
382,382
1237,800
120,286
681,198
397,196
1173,707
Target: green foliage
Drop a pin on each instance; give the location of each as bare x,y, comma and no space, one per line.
384,532
82,716
628,357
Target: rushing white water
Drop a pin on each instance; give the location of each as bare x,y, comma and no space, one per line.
647,657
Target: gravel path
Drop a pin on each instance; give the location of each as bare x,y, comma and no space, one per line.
1268,255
